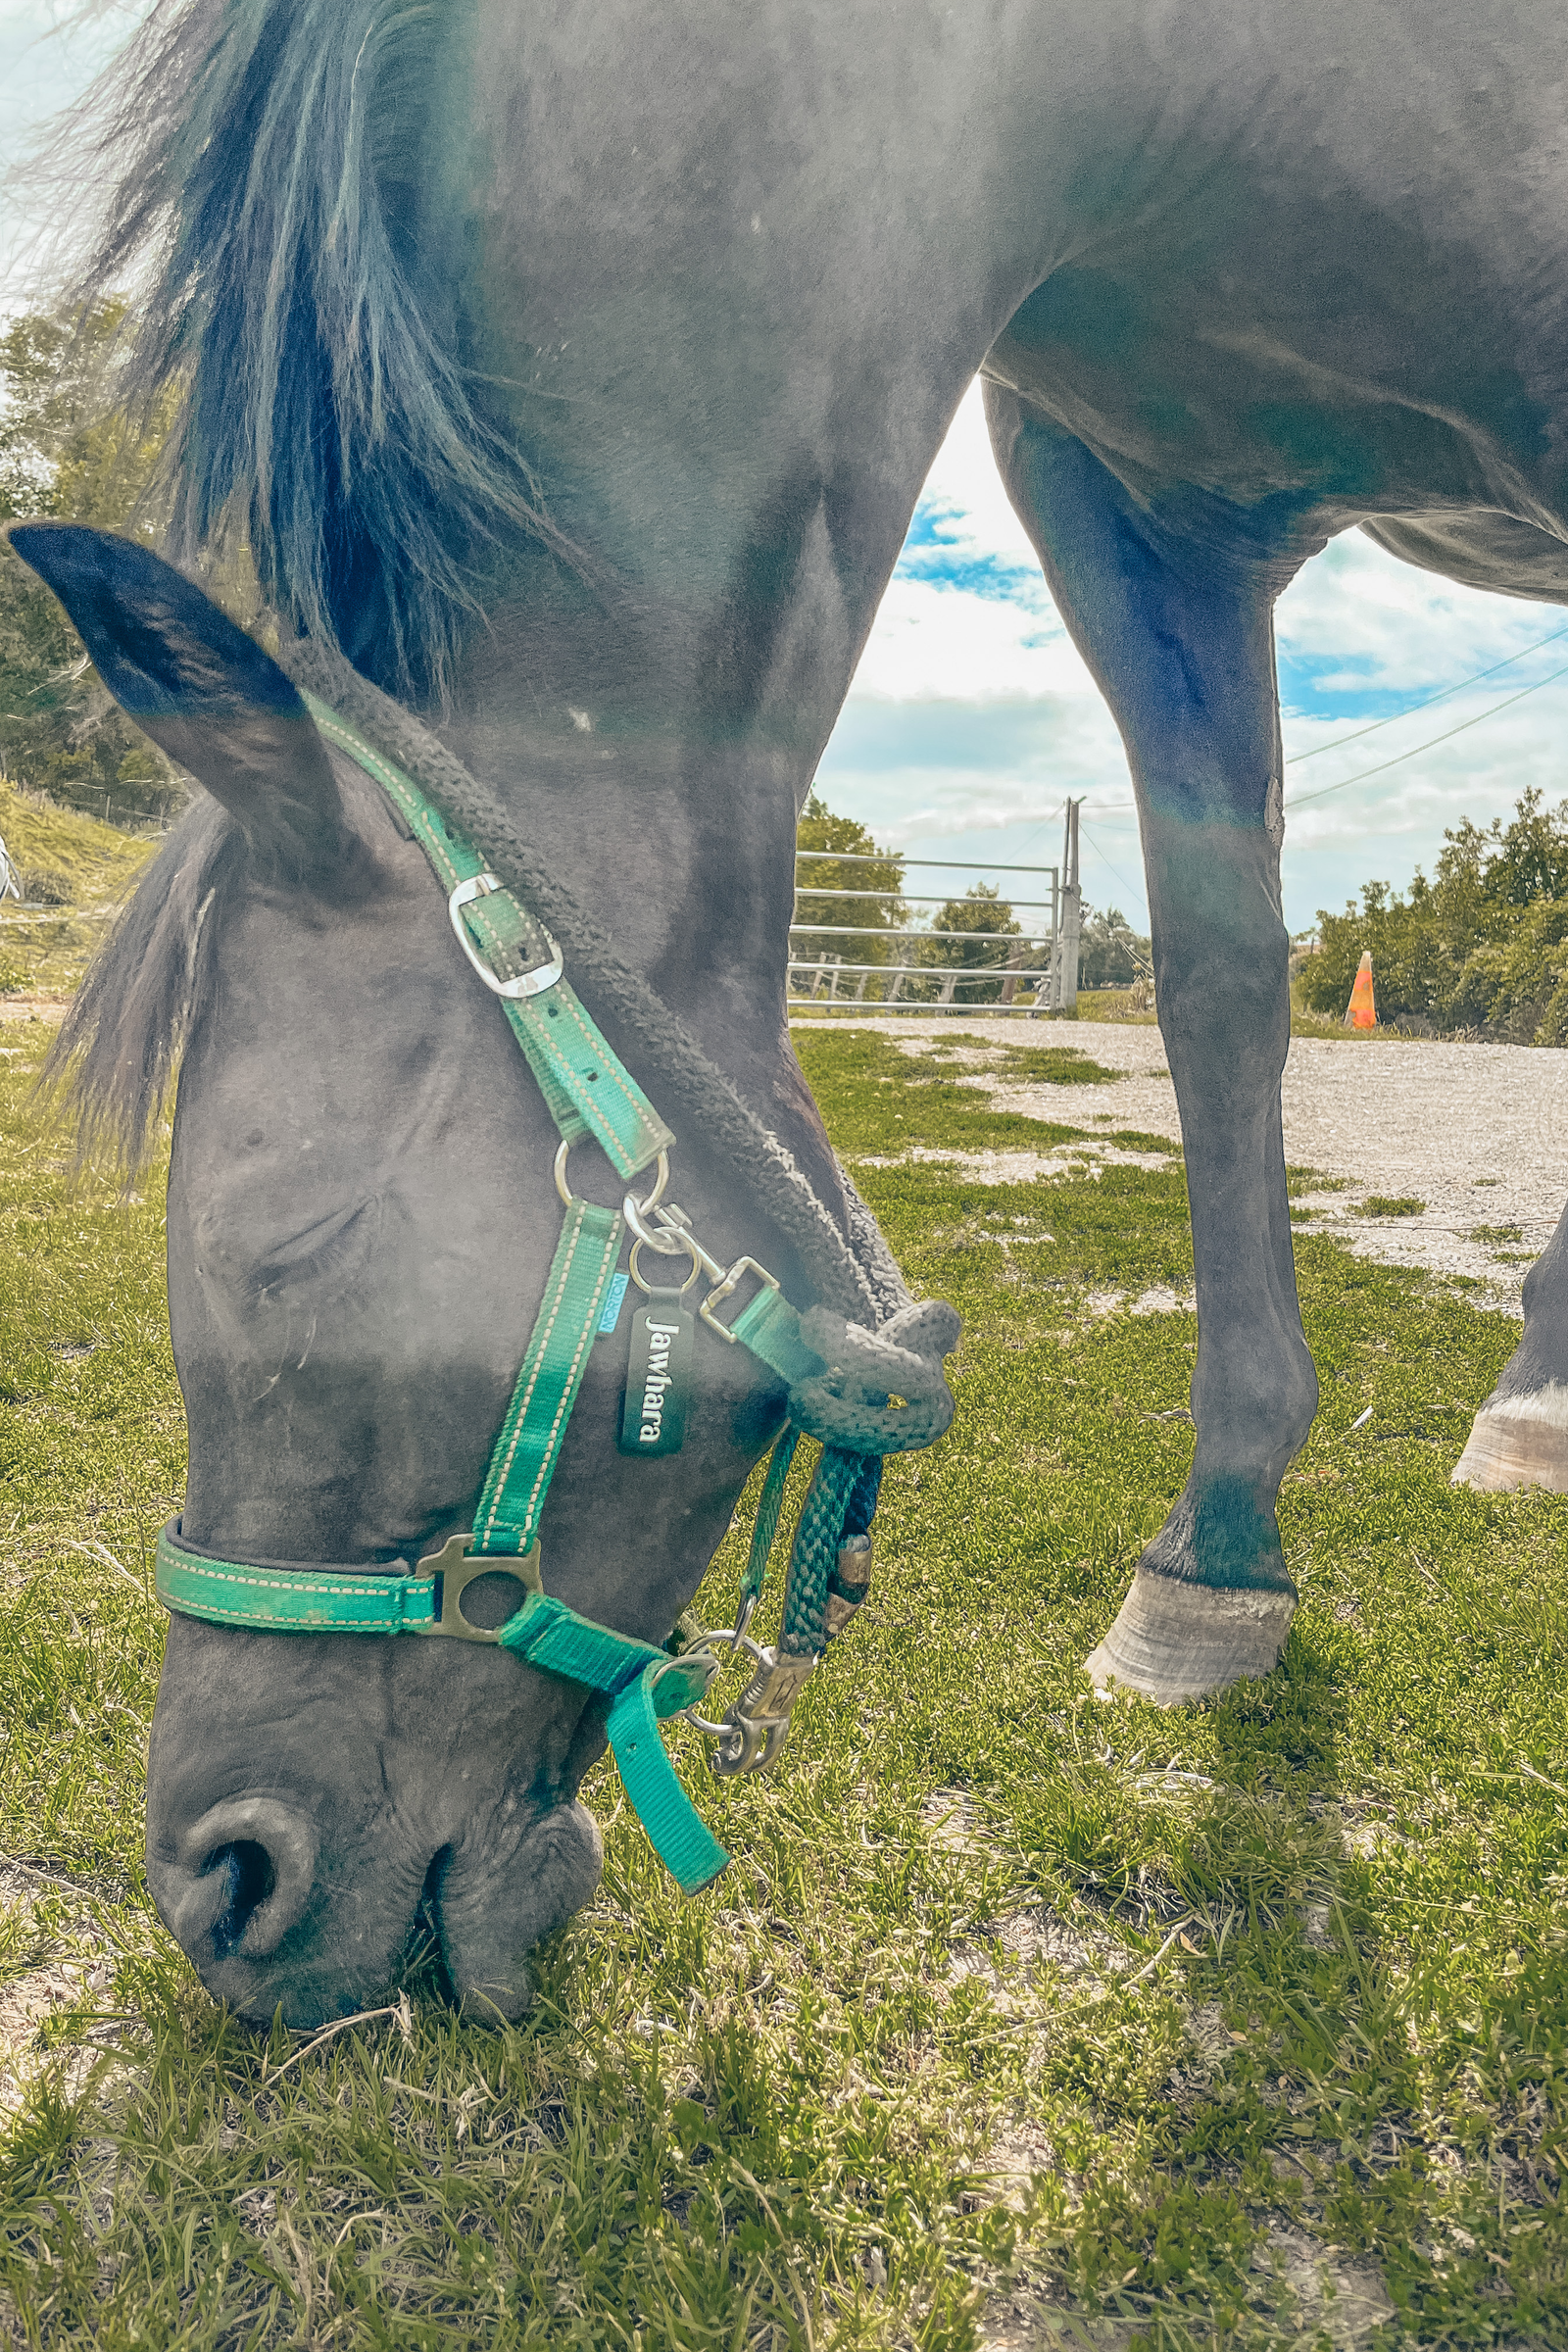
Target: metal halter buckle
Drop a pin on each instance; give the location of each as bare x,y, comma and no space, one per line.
525,984
734,1276
455,1568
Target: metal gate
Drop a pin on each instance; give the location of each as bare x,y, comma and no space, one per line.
1039,974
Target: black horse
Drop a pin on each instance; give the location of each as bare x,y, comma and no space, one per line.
573,368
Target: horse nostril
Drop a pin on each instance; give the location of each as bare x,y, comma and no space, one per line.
241,1877
251,1878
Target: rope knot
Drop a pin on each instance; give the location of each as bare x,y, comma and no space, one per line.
850,1404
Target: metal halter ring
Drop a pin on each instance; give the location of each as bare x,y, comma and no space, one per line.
700,1657
568,1195
644,1285
732,1640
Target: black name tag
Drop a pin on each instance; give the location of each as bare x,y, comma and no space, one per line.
657,1377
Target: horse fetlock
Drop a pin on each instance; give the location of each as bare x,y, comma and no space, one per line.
1518,1442
1220,1535
1174,1641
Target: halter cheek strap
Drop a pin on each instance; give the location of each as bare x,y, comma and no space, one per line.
589,1094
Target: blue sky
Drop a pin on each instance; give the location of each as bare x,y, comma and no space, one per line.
971,716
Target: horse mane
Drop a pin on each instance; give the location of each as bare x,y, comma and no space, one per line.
257,153
118,1045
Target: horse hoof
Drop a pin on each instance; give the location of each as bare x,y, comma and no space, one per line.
1173,1642
1518,1442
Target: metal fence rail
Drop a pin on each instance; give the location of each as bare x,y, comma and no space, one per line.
1038,975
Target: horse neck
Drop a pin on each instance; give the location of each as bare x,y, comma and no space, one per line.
673,824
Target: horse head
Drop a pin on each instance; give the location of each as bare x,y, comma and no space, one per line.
362,1212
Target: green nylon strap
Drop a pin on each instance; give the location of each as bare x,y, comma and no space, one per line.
676,1831
586,1089
287,1601
771,1328
648,1685
644,1684
524,1454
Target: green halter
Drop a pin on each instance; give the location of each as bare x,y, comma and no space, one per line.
588,1094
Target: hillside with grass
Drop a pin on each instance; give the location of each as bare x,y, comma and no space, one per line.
1018,2020
75,875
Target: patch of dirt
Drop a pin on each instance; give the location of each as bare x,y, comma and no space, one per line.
1336,2294
1159,1300
26,2006
33,1009
1022,2322
1479,1134
1042,1937
954,1823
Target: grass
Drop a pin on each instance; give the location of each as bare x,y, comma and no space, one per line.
1006,1991
87,868
1392,1204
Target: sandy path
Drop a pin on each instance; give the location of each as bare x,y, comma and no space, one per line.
1478,1134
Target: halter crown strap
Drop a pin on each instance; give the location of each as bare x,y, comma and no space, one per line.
587,1089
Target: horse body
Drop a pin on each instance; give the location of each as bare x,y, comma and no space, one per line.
705,286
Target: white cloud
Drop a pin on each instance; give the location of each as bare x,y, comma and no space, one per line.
972,715
964,499
50,51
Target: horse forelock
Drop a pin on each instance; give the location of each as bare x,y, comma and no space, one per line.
320,416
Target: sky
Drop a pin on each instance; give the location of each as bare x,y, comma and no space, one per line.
971,716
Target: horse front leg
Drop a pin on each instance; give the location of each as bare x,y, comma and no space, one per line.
1183,647
1519,1437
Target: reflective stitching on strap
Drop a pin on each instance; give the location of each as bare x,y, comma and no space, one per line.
539,1347
568,1394
370,1587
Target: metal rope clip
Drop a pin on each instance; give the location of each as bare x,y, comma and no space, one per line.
671,1235
752,1735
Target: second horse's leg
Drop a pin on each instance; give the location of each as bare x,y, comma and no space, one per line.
1520,1436
1182,644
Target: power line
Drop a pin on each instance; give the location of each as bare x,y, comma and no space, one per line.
1130,887
1298,759
1299,800
1431,742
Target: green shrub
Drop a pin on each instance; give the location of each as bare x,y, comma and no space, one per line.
1485,946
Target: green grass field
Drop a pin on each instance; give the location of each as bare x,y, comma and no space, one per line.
1018,2018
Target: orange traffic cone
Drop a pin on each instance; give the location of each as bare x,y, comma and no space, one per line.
1361,1012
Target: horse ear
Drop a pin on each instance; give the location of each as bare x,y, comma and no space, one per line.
205,692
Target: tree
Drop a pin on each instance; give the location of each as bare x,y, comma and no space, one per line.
883,912
979,911
1484,945
65,452
1110,953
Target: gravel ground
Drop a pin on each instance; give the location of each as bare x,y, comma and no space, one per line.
1477,1134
